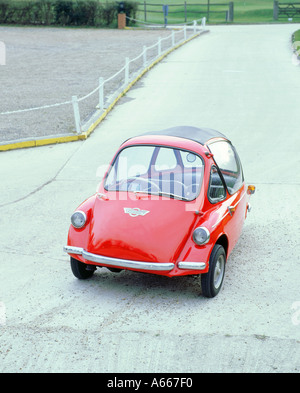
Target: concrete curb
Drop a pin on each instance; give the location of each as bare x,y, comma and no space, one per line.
50,140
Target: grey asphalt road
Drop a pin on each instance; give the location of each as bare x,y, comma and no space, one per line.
240,80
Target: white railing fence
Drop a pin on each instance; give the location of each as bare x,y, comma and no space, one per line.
118,82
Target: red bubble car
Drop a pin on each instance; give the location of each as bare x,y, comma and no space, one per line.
171,203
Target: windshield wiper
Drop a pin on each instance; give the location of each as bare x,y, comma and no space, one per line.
173,195
162,193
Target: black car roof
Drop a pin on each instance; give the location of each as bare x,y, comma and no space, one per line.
200,135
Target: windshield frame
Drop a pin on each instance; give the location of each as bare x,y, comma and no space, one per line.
151,167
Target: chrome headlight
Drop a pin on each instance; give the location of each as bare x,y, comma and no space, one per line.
78,219
201,236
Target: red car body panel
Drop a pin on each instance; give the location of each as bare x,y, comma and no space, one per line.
140,238
165,232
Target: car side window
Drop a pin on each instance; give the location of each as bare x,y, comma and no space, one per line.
216,190
229,164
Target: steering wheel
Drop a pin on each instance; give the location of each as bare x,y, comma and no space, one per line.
148,181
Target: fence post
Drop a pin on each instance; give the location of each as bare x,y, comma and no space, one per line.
145,11
159,46
144,56
208,10
275,10
121,21
101,93
195,24
185,12
165,12
126,71
173,38
76,114
231,11
184,30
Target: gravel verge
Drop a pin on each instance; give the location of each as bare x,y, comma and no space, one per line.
45,66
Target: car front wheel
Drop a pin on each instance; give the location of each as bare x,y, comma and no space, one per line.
212,281
81,270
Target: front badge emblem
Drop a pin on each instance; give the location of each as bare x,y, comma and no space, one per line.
134,212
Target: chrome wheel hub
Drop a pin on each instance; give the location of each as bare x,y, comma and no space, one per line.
219,271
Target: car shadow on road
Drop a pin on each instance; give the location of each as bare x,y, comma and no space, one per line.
129,283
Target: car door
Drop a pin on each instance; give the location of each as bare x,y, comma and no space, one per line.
227,188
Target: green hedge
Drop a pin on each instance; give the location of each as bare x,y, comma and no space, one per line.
296,42
63,12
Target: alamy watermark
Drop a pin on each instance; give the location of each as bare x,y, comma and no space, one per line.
2,314
131,182
2,53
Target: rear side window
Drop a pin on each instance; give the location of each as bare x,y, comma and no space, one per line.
229,163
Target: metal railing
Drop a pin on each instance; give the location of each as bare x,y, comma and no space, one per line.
174,13
286,10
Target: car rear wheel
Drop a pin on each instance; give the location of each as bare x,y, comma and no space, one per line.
81,270
212,281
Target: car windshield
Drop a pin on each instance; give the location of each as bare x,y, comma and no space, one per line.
156,170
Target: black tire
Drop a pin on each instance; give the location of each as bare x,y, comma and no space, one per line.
212,281
81,270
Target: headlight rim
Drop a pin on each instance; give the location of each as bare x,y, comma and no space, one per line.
84,219
207,236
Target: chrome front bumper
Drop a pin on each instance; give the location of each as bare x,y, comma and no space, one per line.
116,262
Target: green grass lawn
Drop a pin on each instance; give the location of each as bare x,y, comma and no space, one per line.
297,36
251,11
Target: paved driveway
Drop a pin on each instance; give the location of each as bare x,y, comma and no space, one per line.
240,80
